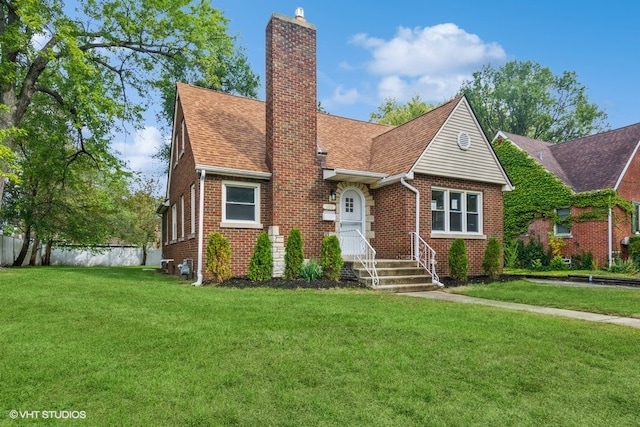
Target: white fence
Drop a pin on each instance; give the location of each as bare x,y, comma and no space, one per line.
110,256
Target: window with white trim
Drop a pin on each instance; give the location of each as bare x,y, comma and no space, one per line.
193,208
456,211
174,222
240,204
182,216
562,229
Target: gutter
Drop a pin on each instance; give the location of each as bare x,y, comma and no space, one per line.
417,193
610,236
198,282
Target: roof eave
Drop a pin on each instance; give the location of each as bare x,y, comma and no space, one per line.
237,173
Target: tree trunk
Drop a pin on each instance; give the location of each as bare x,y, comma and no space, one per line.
34,251
47,253
144,254
25,248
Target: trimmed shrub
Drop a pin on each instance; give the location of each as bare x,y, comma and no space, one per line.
331,258
491,264
293,255
218,257
458,261
261,265
311,270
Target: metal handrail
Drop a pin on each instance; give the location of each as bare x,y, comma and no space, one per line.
425,255
364,252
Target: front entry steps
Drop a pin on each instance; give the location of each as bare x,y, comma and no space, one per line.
395,275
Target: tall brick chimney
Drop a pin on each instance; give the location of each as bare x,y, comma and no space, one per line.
291,128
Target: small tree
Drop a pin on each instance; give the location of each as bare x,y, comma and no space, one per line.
331,258
219,257
293,255
491,264
261,265
458,261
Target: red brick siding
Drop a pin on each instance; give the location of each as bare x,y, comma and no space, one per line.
588,236
395,220
297,190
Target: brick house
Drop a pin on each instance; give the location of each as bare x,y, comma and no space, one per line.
608,161
242,166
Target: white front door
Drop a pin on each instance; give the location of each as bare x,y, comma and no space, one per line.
351,218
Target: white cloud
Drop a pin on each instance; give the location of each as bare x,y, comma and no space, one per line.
431,61
138,153
344,96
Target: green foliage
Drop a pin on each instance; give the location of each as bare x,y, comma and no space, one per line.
331,258
524,98
293,255
623,266
311,270
458,261
532,255
538,193
392,113
511,253
558,264
261,264
583,261
218,257
491,262
634,250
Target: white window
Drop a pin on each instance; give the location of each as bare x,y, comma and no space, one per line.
193,209
562,228
240,205
174,222
182,216
455,211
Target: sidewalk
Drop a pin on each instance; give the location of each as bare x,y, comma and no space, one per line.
593,317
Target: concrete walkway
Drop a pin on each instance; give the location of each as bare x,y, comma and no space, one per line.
593,317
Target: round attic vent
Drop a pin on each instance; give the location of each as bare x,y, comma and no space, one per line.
464,141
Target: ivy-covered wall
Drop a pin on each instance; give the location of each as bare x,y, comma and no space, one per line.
538,193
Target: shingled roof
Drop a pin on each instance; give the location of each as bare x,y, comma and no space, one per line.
595,162
228,132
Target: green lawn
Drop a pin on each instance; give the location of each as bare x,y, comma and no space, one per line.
130,347
605,300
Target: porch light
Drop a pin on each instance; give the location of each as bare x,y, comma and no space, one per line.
332,195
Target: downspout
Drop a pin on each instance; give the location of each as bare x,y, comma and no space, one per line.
198,282
610,237
417,193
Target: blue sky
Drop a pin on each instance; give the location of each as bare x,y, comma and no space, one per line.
368,51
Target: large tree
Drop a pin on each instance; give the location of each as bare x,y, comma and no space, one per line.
101,61
527,99
390,112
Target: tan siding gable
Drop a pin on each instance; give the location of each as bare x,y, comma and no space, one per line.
443,157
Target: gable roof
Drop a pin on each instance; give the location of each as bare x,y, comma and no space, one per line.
227,132
414,136
594,162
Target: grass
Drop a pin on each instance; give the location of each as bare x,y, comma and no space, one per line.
131,347
605,300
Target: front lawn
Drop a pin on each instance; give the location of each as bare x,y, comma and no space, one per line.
605,300
131,347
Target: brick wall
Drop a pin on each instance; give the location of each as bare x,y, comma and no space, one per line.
297,190
395,220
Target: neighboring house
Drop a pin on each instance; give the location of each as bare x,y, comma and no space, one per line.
603,168
241,166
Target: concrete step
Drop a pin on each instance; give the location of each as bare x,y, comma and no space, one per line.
394,280
416,287
401,271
